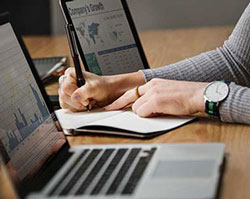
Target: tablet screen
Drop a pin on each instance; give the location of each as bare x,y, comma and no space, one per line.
105,36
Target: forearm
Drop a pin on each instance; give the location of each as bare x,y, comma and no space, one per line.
205,67
122,83
236,108
230,62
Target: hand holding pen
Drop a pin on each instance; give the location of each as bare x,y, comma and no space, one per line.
74,53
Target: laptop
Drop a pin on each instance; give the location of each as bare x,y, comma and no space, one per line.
40,163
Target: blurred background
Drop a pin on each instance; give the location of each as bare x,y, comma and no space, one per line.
43,17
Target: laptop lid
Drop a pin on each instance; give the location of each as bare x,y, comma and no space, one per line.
28,132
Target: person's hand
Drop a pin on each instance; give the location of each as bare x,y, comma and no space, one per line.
161,96
97,91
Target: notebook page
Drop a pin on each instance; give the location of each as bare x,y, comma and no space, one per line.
69,120
128,120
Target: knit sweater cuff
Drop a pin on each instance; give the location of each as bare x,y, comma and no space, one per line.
147,74
165,72
234,108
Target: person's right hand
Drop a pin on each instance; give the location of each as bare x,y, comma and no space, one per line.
98,90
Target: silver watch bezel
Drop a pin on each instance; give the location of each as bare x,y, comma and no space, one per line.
207,87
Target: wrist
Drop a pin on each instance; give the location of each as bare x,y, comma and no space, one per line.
197,100
122,83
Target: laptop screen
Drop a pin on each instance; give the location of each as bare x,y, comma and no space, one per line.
28,135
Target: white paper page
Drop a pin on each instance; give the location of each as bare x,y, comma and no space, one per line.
69,120
128,120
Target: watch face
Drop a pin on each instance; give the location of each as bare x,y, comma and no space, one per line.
216,91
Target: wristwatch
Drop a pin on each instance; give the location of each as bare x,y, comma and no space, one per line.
214,93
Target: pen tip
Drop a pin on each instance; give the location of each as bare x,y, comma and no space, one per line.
88,108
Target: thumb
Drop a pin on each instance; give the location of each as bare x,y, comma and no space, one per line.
82,95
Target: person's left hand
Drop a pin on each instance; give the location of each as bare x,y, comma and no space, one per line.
164,97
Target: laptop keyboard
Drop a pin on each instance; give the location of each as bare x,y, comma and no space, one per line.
104,172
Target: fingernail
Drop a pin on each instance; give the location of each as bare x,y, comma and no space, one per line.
77,96
108,107
84,103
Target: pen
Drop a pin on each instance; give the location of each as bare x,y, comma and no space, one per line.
55,67
74,53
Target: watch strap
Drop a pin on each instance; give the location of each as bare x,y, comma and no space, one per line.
226,82
211,108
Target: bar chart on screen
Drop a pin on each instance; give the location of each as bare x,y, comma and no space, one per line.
23,128
18,95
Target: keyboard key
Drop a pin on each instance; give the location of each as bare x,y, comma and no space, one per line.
124,169
130,185
64,176
94,171
108,172
80,172
137,173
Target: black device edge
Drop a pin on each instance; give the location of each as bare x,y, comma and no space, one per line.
135,33
45,172
131,24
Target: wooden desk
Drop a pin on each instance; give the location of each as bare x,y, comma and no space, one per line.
161,48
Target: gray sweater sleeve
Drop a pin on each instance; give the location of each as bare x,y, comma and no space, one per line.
229,62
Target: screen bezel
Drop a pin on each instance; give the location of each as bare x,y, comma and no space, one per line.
131,25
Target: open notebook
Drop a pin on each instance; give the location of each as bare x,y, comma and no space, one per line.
122,122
